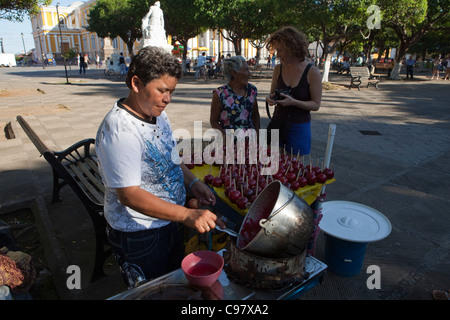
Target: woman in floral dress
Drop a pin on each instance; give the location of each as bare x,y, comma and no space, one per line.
234,104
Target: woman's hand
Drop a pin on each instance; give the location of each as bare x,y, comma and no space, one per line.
286,100
203,193
202,220
270,99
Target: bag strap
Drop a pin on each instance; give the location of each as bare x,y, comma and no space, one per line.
268,110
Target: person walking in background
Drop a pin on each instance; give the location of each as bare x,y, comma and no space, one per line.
409,67
122,64
447,69
201,60
82,64
296,90
436,63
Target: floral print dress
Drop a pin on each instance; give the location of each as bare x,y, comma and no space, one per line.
236,110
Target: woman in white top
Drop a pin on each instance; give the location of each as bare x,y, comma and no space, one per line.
145,188
436,63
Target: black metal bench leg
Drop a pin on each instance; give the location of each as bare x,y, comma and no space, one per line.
100,242
100,257
56,187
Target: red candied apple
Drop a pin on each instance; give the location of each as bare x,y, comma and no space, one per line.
329,173
234,195
208,178
228,190
283,180
291,176
248,192
278,175
242,202
321,178
302,181
312,179
262,185
295,185
251,182
226,181
217,182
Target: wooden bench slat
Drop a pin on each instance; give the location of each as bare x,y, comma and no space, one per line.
93,165
85,183
93,179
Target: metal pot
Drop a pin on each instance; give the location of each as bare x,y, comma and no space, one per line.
278,224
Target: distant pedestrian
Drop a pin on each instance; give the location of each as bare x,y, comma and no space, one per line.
82,64
122,65
273,60
436,63
447,69
97,61
409,67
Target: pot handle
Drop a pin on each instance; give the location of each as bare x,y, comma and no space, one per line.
268,225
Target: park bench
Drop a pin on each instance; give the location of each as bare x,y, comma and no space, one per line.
77,167
360,75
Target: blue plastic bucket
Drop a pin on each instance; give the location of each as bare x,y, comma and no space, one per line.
344,258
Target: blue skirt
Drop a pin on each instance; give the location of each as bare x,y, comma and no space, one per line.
299,138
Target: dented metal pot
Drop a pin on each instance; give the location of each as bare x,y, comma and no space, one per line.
278,224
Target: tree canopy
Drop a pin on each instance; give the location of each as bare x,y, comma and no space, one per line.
16,10
118,18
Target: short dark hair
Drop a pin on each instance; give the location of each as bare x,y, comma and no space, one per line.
151,63
293,39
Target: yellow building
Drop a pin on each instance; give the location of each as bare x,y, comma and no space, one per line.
47,35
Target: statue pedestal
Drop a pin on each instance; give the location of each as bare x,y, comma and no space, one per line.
163,45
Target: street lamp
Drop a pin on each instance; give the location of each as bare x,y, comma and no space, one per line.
1,42
23,42
61,46
40,45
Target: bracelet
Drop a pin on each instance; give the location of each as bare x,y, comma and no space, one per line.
192,182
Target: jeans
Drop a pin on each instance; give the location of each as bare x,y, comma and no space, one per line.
123,68
409,71
83,67
197,72
147,254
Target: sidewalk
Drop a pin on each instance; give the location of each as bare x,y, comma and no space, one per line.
391,152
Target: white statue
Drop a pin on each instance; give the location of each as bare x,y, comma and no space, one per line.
153,26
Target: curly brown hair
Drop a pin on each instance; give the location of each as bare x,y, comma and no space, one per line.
151,63
293,39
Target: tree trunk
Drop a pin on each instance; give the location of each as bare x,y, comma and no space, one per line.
326,67
399,56
130,45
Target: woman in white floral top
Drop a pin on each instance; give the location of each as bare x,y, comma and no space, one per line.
234,105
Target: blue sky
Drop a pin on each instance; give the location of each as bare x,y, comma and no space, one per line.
11,31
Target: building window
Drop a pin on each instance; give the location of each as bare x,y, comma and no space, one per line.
93,42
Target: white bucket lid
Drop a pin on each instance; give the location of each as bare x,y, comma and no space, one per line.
354,222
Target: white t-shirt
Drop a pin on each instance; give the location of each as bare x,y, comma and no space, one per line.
131,151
